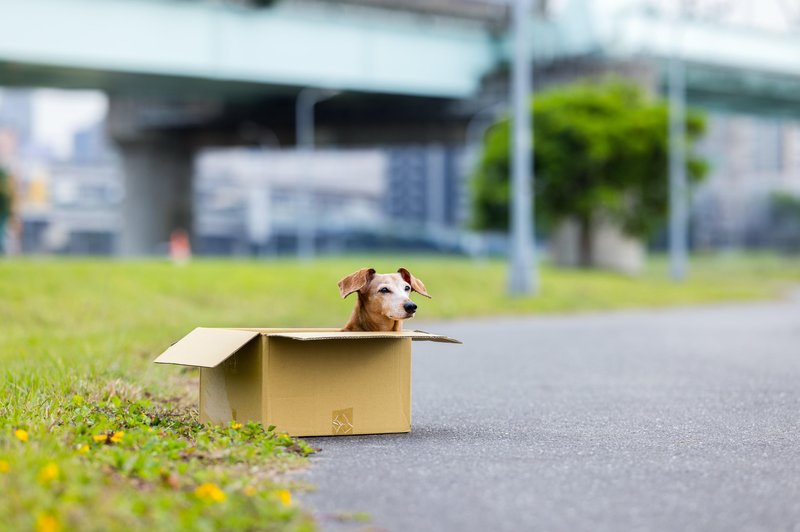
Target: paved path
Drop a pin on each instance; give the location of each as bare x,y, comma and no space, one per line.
658,420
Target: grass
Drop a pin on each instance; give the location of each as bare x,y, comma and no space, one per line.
95,436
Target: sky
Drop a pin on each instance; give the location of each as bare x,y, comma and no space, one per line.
57,114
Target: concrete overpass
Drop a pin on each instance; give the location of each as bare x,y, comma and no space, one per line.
147,47
183,75
730,65
186,74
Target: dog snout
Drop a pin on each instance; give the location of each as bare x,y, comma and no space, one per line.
410,307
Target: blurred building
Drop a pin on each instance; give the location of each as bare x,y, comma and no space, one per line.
247,200
16,115
71,208
427,188
91,145
751,159
65,206
411,78
251,201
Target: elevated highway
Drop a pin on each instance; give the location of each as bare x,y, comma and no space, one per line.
184,74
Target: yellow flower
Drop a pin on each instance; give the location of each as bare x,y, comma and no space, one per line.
285,496
5,467
236,426
100,438
22,435
209,492
47,523
83,449
250,491
117,437
48,473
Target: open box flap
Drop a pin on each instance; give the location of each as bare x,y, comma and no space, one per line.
347,335
206,347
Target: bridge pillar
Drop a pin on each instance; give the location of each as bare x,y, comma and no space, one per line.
158,193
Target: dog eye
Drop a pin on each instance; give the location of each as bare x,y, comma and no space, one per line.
408,288
384,290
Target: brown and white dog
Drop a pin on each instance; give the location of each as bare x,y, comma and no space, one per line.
383,299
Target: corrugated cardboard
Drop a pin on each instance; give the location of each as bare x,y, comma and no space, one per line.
307,382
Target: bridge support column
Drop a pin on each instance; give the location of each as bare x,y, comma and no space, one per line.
158,193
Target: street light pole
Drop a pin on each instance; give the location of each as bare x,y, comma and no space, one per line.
678,208
522,273
307,98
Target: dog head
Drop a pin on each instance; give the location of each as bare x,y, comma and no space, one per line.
384,294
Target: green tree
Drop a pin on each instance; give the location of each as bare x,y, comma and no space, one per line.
5,194
600,149
5,204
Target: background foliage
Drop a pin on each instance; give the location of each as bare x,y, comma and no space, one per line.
5,194
600,149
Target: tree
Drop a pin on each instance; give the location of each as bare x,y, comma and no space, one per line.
5,195
5,204
600,150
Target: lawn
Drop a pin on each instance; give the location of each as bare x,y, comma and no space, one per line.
95,436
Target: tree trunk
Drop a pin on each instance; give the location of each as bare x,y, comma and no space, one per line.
585,259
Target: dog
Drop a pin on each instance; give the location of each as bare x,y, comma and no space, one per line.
383,299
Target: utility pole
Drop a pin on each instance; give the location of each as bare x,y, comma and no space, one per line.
678,192
522,273
307,98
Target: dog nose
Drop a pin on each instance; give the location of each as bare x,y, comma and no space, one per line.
410,307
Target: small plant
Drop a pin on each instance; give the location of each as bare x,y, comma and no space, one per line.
113,463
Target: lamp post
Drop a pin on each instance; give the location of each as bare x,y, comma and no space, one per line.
678,208
522,272
307,98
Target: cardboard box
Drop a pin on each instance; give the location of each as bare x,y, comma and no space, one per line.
307,382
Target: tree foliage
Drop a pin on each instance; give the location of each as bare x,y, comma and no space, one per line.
599,149
5,194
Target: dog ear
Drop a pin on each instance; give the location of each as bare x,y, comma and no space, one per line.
355,281
416,284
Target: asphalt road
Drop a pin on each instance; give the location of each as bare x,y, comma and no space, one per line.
656,420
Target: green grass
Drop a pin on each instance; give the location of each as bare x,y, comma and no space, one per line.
77,338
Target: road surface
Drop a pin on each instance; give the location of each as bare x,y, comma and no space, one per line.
682,419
